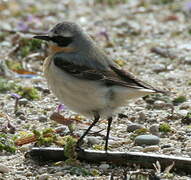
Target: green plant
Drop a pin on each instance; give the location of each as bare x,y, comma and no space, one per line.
6,85
28,92
6,143
28,46
138,132
46,137
164,127
111,2
178,100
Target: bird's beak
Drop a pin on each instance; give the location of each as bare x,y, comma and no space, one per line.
46,38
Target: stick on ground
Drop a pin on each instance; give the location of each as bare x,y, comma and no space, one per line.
145,160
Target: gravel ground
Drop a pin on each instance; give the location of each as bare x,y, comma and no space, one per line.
149,38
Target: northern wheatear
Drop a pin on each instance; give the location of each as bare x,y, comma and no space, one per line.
85,79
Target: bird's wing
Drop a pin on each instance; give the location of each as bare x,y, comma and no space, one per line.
110,77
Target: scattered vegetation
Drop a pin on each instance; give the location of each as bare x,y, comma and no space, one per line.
6,85
138,132
150,99
14,65
6,143
178,100
30,93
120,62
79,171
28,46
189,83
187,119
46,137
164,127
163,1
69,149
98,147
111,2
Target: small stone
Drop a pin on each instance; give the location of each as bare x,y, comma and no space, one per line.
18,113
104,166
151,148
23,102
154,129
147,140
27,174
42,118
185,105
187,60
136,149
22,117
59,173
46,91
134,126
166,146
43,177
142,116
93,140
182,112
4,168
188,144
159,68
188,149
167,150
159,104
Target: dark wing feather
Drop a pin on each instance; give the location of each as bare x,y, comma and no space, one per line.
111,77
132,80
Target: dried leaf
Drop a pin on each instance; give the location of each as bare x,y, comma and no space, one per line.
61,119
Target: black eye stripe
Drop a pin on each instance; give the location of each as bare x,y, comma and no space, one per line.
62,41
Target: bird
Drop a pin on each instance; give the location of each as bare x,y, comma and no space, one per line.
85,79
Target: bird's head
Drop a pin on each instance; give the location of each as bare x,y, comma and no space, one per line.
66,37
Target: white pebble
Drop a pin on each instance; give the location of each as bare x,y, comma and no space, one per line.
43,177
4,168
104,166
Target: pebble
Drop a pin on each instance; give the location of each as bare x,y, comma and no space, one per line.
151,149
187,60
59,173
22,117
188,149
134,126
182,112
170,149
188,144
154,129
4,168
42,118
43,177
158,68
23,102
142,116
147,140
93,140
185,105
19,113
104,166
136,149
166,146
159,104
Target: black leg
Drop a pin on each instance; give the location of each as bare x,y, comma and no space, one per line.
96,119
108,130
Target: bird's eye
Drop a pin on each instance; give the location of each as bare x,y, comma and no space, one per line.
62,41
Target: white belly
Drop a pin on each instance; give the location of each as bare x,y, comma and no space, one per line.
85,96
81,96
